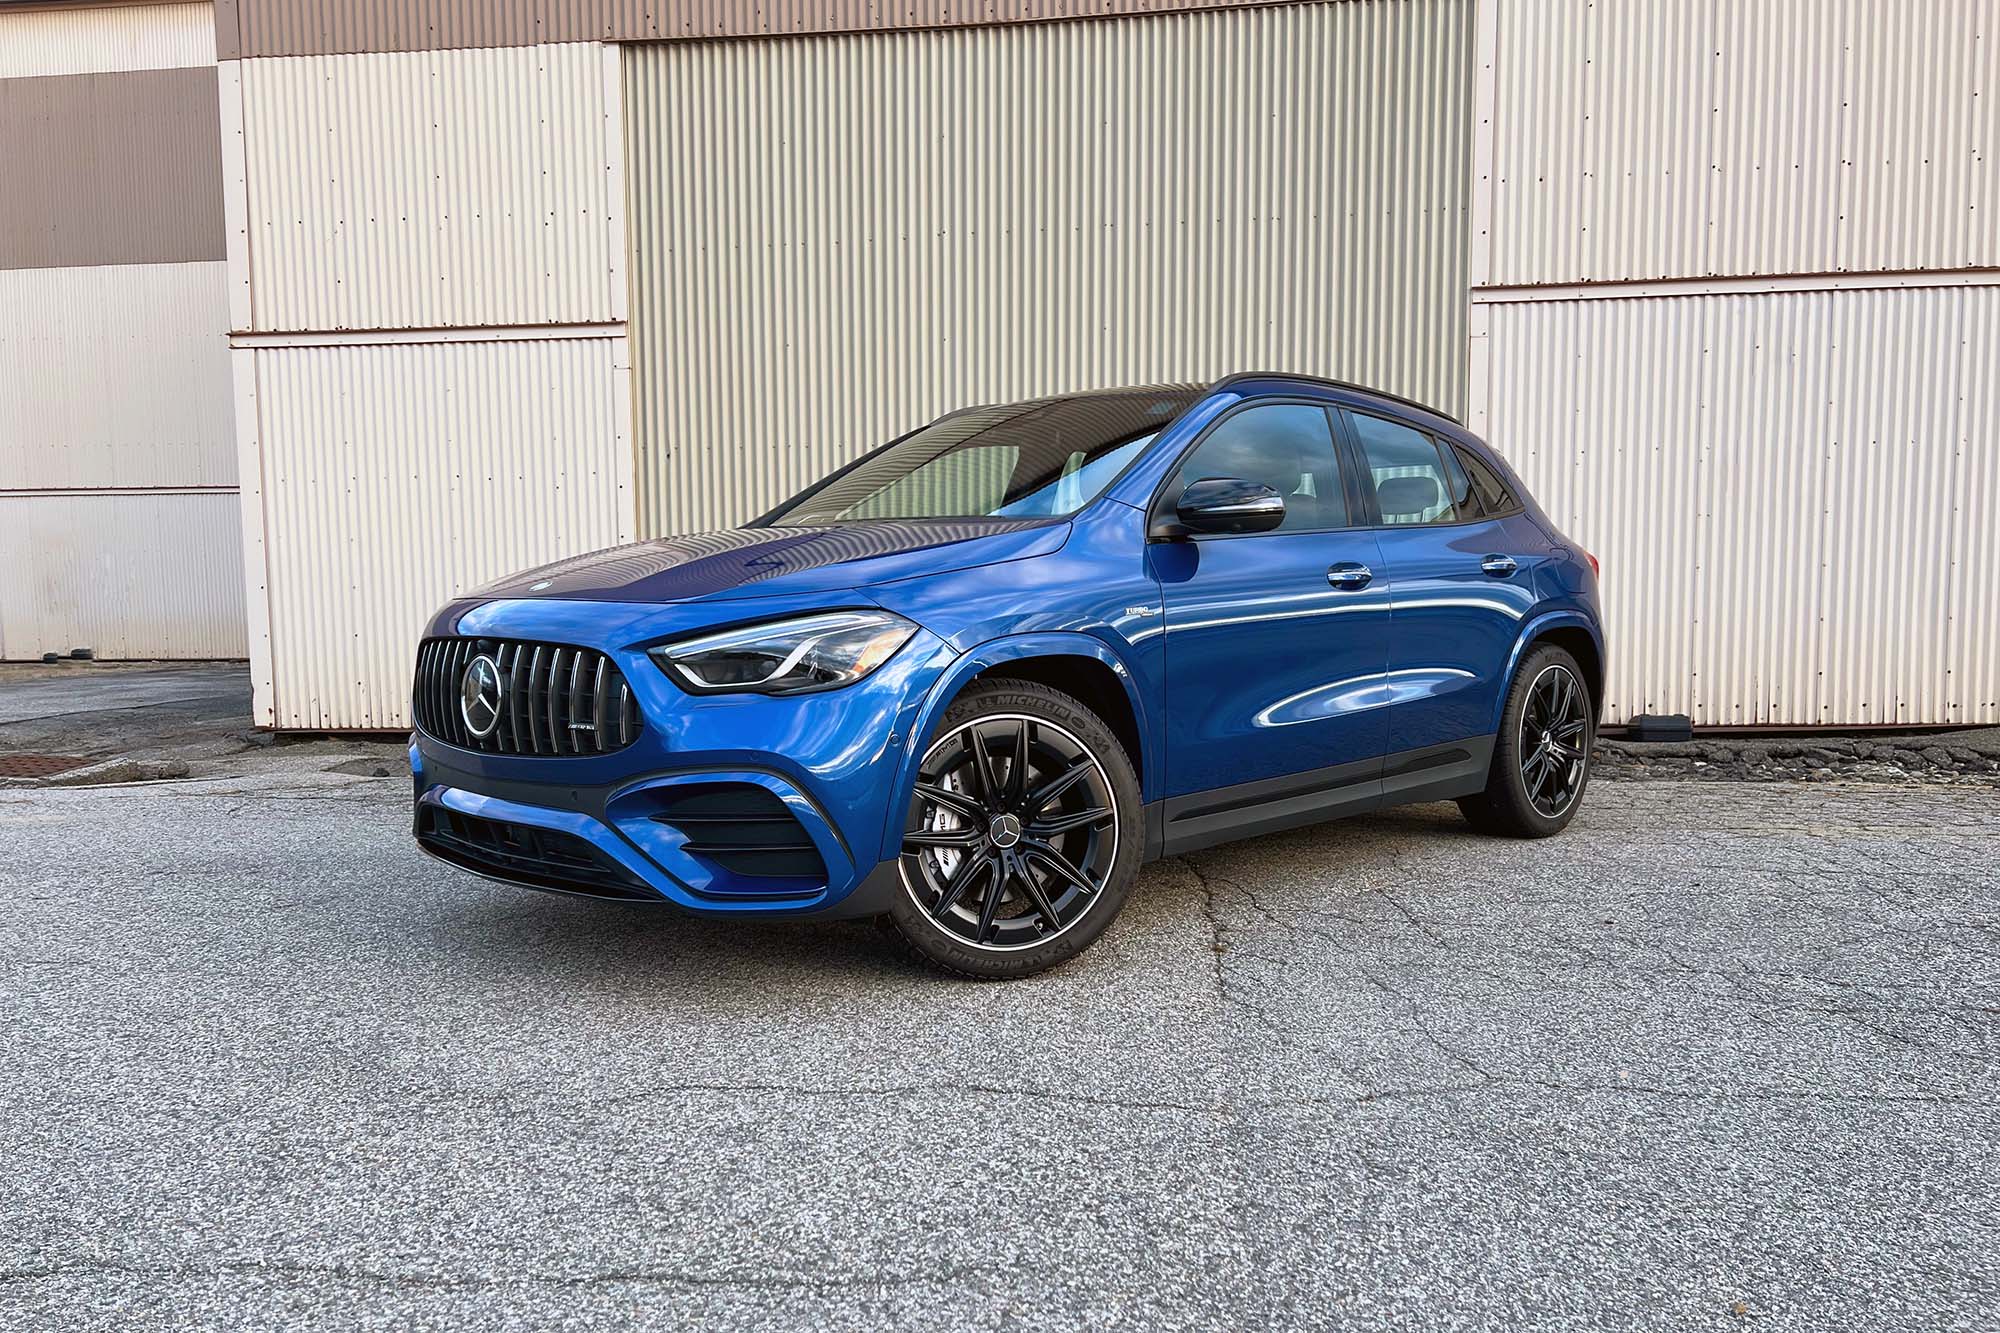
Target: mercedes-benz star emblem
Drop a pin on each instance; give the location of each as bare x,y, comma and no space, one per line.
479,696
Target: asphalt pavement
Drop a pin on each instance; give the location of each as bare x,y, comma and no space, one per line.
1724,1055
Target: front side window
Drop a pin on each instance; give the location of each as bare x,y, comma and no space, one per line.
1413,481
1286,446
1035,459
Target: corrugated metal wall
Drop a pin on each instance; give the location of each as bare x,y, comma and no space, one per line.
1687,138
838,238
1796,497
438,189
1735,318
398,477
115,376
128,574
117,463
91,41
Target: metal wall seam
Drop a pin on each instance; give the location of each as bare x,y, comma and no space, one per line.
434,189
126,574
1689,138
43,42
371,527
838,238
154,331
1794,496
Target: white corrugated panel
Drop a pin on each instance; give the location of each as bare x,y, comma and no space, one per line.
1795,496
397,477
838,238
128,575
1689,138
434,188
115,376
90,41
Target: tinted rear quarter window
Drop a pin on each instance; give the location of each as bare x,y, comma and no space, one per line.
1488,488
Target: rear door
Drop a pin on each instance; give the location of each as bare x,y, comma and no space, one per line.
1463,579
1276,641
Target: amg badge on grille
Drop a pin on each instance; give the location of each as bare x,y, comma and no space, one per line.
479,695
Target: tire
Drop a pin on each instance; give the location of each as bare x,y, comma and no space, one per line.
1541,758
1064,866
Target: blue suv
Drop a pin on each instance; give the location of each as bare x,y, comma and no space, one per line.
969,683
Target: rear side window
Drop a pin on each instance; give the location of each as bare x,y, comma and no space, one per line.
1495,497
1286,446
1414,482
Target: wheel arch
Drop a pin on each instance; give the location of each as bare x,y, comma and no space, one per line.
1075,663
1574,633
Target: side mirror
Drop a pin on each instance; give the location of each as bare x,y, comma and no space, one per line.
1224,504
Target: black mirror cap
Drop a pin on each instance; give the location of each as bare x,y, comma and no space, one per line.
1228,504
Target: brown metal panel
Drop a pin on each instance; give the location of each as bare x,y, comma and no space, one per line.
332,27
121,168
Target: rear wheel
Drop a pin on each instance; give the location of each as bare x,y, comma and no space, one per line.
1541,758
1022,835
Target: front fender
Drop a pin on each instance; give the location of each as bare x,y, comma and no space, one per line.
981,657
1534,629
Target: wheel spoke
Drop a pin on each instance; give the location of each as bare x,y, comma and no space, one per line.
1056,861
1533,772
1038,898
1038,799
990,908
1017,767
1569,752
960,883
956,802
1058,825
1569,731
982,770
1559,705
943,837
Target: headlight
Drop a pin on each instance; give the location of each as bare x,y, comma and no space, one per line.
818,652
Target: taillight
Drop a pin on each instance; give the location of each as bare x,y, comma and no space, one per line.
1594,570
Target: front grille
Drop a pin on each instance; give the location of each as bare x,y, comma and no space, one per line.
544,858
554,699
743,829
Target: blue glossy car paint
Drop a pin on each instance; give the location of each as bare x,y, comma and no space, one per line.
1242,669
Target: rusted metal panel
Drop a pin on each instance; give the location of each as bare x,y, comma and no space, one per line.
1795,495
836,239
119,168
323,27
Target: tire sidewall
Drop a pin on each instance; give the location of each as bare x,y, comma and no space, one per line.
1043,703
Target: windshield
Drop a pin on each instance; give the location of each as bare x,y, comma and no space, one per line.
1018,460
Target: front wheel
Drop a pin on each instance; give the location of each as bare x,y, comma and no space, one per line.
1022,836
1541,758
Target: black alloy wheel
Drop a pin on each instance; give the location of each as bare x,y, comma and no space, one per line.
1013,833
1554,728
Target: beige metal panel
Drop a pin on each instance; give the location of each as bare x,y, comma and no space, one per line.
315,27
126,574
110,169
1794,495
92,41
1686,138
397,477
115,376
836,239
433,189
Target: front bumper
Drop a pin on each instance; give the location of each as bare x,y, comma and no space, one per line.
606,824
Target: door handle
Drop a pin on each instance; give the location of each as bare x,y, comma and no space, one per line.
1499,566
1348,575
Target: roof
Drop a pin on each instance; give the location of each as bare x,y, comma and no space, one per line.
1325,383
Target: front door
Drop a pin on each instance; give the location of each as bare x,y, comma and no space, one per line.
1276,642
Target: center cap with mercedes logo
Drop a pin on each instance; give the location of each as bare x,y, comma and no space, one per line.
479,693
1005,830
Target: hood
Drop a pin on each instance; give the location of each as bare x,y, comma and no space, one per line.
759,562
